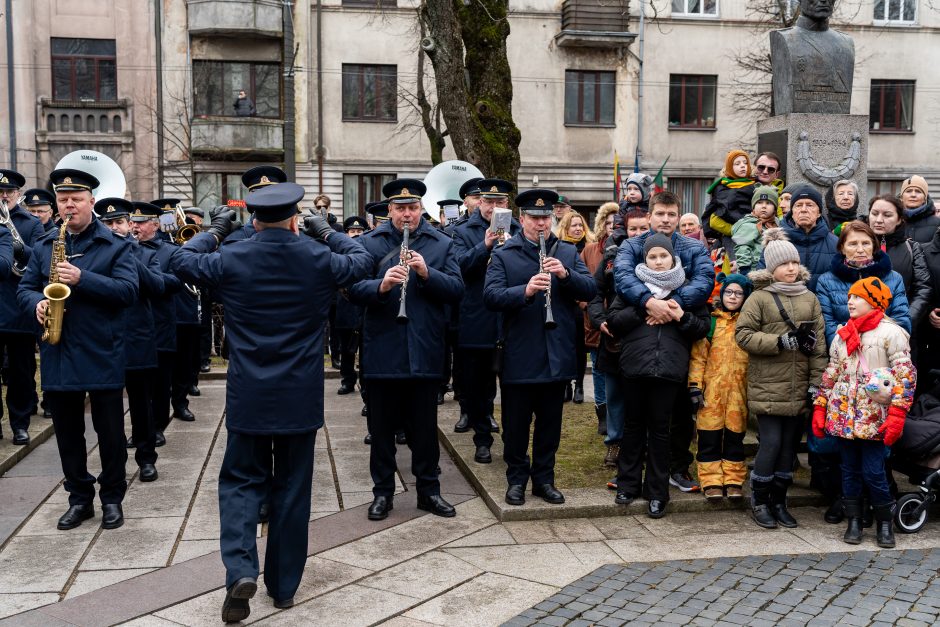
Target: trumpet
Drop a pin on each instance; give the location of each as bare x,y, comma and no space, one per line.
7,221
184,232
549,317
403,257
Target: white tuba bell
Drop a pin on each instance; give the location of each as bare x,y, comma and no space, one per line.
102,167
444,180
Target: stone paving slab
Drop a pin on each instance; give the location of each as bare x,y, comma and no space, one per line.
896,587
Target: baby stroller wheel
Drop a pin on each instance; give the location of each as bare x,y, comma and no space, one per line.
911,513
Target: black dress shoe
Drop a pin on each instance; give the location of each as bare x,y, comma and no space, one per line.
46,413
367,439
435,504
381,506
284,604
515,495
656,509
549,493
568,392
494,426
195,391
264,512
578,396
112,516
184,414
74,516
130,442
482,455
623,498
440,397
365,411
20,437
161,439
236,608
400,438
205,367
463,424
148,472
345,389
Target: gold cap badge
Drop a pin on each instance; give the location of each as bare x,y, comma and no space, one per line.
67,180
110,208
539,202
35,196
494,189
404,191
4,180
265,179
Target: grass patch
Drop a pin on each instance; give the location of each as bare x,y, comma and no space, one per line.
579,462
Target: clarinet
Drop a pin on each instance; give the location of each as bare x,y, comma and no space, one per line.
549,318
403,261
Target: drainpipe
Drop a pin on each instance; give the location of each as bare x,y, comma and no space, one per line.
639,93
158,30
320,150
287,20
11,88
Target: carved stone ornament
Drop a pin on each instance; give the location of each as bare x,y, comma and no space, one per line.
819,173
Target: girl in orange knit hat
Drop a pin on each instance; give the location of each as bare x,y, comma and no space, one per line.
730,198
863,399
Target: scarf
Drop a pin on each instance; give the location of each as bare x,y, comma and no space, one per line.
787,289
730,183
859,265
918,212
661,283
854,328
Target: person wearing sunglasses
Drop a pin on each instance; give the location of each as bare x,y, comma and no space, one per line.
767,169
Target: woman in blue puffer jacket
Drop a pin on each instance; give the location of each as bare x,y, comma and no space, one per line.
859,256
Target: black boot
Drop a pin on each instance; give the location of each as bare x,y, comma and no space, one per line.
884,516
868,516
835,514
578,396
601,411
778,502
760,504
853,513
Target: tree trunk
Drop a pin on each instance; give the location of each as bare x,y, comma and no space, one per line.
474,90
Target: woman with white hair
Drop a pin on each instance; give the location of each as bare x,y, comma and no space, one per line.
841,204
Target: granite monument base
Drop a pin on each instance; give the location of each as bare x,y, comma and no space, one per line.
819,149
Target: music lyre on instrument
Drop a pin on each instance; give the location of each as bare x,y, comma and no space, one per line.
549,317
403,257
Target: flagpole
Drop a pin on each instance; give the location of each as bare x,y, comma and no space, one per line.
639,97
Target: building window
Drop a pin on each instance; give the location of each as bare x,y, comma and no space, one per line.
361,189
589,98
892,106
370,93
216,85
692,193
218,188
877,188
697,8
692,101
896,11
84,69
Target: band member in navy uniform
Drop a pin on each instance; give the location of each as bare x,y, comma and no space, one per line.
145,223
474,241
403,343
254,179
349,320
167,215
89,358
274,395
40,203
140,371
537,358
17,328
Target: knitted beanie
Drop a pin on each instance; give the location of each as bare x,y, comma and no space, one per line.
729,160
915,181
727,279
778,249
807,192
764,192
641,181
873,290
789,189
658,240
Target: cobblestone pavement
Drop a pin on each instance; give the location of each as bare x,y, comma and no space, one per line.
861,588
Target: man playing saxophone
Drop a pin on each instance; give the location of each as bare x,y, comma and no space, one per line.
100,271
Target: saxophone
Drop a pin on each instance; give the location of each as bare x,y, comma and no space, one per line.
56,292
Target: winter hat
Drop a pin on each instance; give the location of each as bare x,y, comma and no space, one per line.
915,181
764,192
778,249
789,189
806,191
727,279
658,240
729,160
873,290
642,181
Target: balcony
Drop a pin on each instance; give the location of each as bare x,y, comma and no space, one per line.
595,24
85,122
235,17
237,137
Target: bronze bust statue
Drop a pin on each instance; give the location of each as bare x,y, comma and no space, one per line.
812,64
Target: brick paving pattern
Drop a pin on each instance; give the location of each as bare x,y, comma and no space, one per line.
860,588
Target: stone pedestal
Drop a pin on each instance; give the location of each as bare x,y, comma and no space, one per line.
819,149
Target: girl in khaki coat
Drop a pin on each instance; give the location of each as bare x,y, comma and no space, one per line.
778,327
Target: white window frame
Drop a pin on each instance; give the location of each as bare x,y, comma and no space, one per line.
883,21
700,15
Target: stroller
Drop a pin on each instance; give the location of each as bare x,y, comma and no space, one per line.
917,455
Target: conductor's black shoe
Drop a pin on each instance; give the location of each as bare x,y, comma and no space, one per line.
130,442
494,426
367,439
482,455
148,472
236,608
440,397
161,439
112,516
463,424
515,495
184,414
282,604
365,411
74,516
400,438
549,493
264,512
381,506
435,504
345,389
20,437
656,509
195,391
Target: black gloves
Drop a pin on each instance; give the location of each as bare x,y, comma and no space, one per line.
317,227
223,224
697,399
788,341
806,340
19,253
